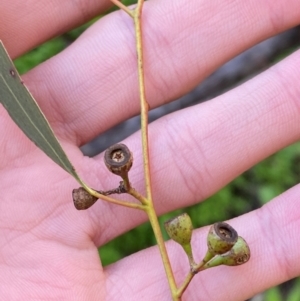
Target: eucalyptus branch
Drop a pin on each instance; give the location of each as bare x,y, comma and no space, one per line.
137,18
144,104
136,14
224,245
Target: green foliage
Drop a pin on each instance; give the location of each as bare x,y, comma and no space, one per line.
49,49
294,294
39,54
277,294
273,294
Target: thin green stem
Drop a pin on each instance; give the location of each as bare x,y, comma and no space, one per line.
138,196
118,202
185,284
126,182
147,202
145,146
123,7
130,190
144,129
112,200
144,104
163,251
195,268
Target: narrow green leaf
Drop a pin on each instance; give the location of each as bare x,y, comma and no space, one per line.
26,113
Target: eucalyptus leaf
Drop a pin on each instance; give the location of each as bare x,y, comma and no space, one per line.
26,113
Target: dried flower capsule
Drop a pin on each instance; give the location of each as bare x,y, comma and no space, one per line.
221,238
82,199
118,159
239,254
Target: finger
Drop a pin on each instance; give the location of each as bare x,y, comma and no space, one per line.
25,25
197,151
272,234
92,85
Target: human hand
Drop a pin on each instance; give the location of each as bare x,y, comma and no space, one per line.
48,249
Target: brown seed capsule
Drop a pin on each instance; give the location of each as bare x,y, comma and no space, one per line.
82,199
118,159
221,238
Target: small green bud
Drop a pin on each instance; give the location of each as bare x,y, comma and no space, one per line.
180,228
118,159
239,254
221,238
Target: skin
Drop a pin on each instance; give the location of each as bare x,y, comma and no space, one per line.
48,249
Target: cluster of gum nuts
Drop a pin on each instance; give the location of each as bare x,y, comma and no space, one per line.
225,247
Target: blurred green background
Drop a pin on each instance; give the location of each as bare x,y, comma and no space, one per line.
251,190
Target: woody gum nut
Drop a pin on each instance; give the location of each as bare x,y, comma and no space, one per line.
82,199
180,229
221,238
239,254
118,159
